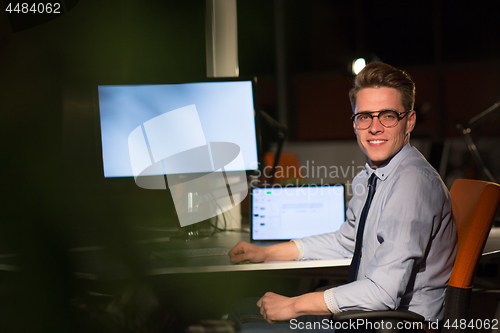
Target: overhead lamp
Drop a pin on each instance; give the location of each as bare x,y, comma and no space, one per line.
360,60
357,65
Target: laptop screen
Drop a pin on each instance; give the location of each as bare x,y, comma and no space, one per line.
286,213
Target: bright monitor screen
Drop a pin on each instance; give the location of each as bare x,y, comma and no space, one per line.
144,123
289,212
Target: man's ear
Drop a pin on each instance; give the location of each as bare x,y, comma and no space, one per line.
412,120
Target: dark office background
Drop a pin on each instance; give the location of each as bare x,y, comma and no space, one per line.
54,193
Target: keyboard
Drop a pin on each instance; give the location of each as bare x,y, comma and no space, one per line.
192,253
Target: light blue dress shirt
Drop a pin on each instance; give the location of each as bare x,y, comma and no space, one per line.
409,242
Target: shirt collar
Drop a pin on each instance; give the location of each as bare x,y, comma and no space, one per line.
385,170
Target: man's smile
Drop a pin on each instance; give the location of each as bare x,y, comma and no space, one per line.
376,141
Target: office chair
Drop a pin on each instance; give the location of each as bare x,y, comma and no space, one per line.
288,167
474,206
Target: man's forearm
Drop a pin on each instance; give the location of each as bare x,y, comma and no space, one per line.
274,307
312,304
283,251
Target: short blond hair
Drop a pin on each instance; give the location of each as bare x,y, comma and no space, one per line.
378,74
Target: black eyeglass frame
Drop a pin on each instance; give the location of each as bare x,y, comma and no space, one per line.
353,117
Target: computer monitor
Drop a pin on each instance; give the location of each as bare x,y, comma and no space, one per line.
202,135
225,110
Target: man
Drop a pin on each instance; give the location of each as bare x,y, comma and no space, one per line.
409,242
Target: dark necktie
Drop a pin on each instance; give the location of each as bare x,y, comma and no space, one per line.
353,270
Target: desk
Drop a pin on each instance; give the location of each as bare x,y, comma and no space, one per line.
277,265
92,264
96,263
203,287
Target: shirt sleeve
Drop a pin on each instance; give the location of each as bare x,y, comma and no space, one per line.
339,244
330,302
410,214
300,247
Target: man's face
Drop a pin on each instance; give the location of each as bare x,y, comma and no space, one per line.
379,143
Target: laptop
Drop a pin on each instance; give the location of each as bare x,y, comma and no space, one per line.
279,214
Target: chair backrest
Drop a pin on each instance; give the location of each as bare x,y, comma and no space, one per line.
474,206
288,166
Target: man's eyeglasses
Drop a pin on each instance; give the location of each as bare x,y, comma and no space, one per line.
388,118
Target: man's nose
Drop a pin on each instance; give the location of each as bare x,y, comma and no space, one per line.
376,126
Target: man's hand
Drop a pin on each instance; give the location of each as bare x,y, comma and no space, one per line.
244,253
274,307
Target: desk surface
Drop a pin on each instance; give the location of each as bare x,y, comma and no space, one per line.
229,267
91,263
